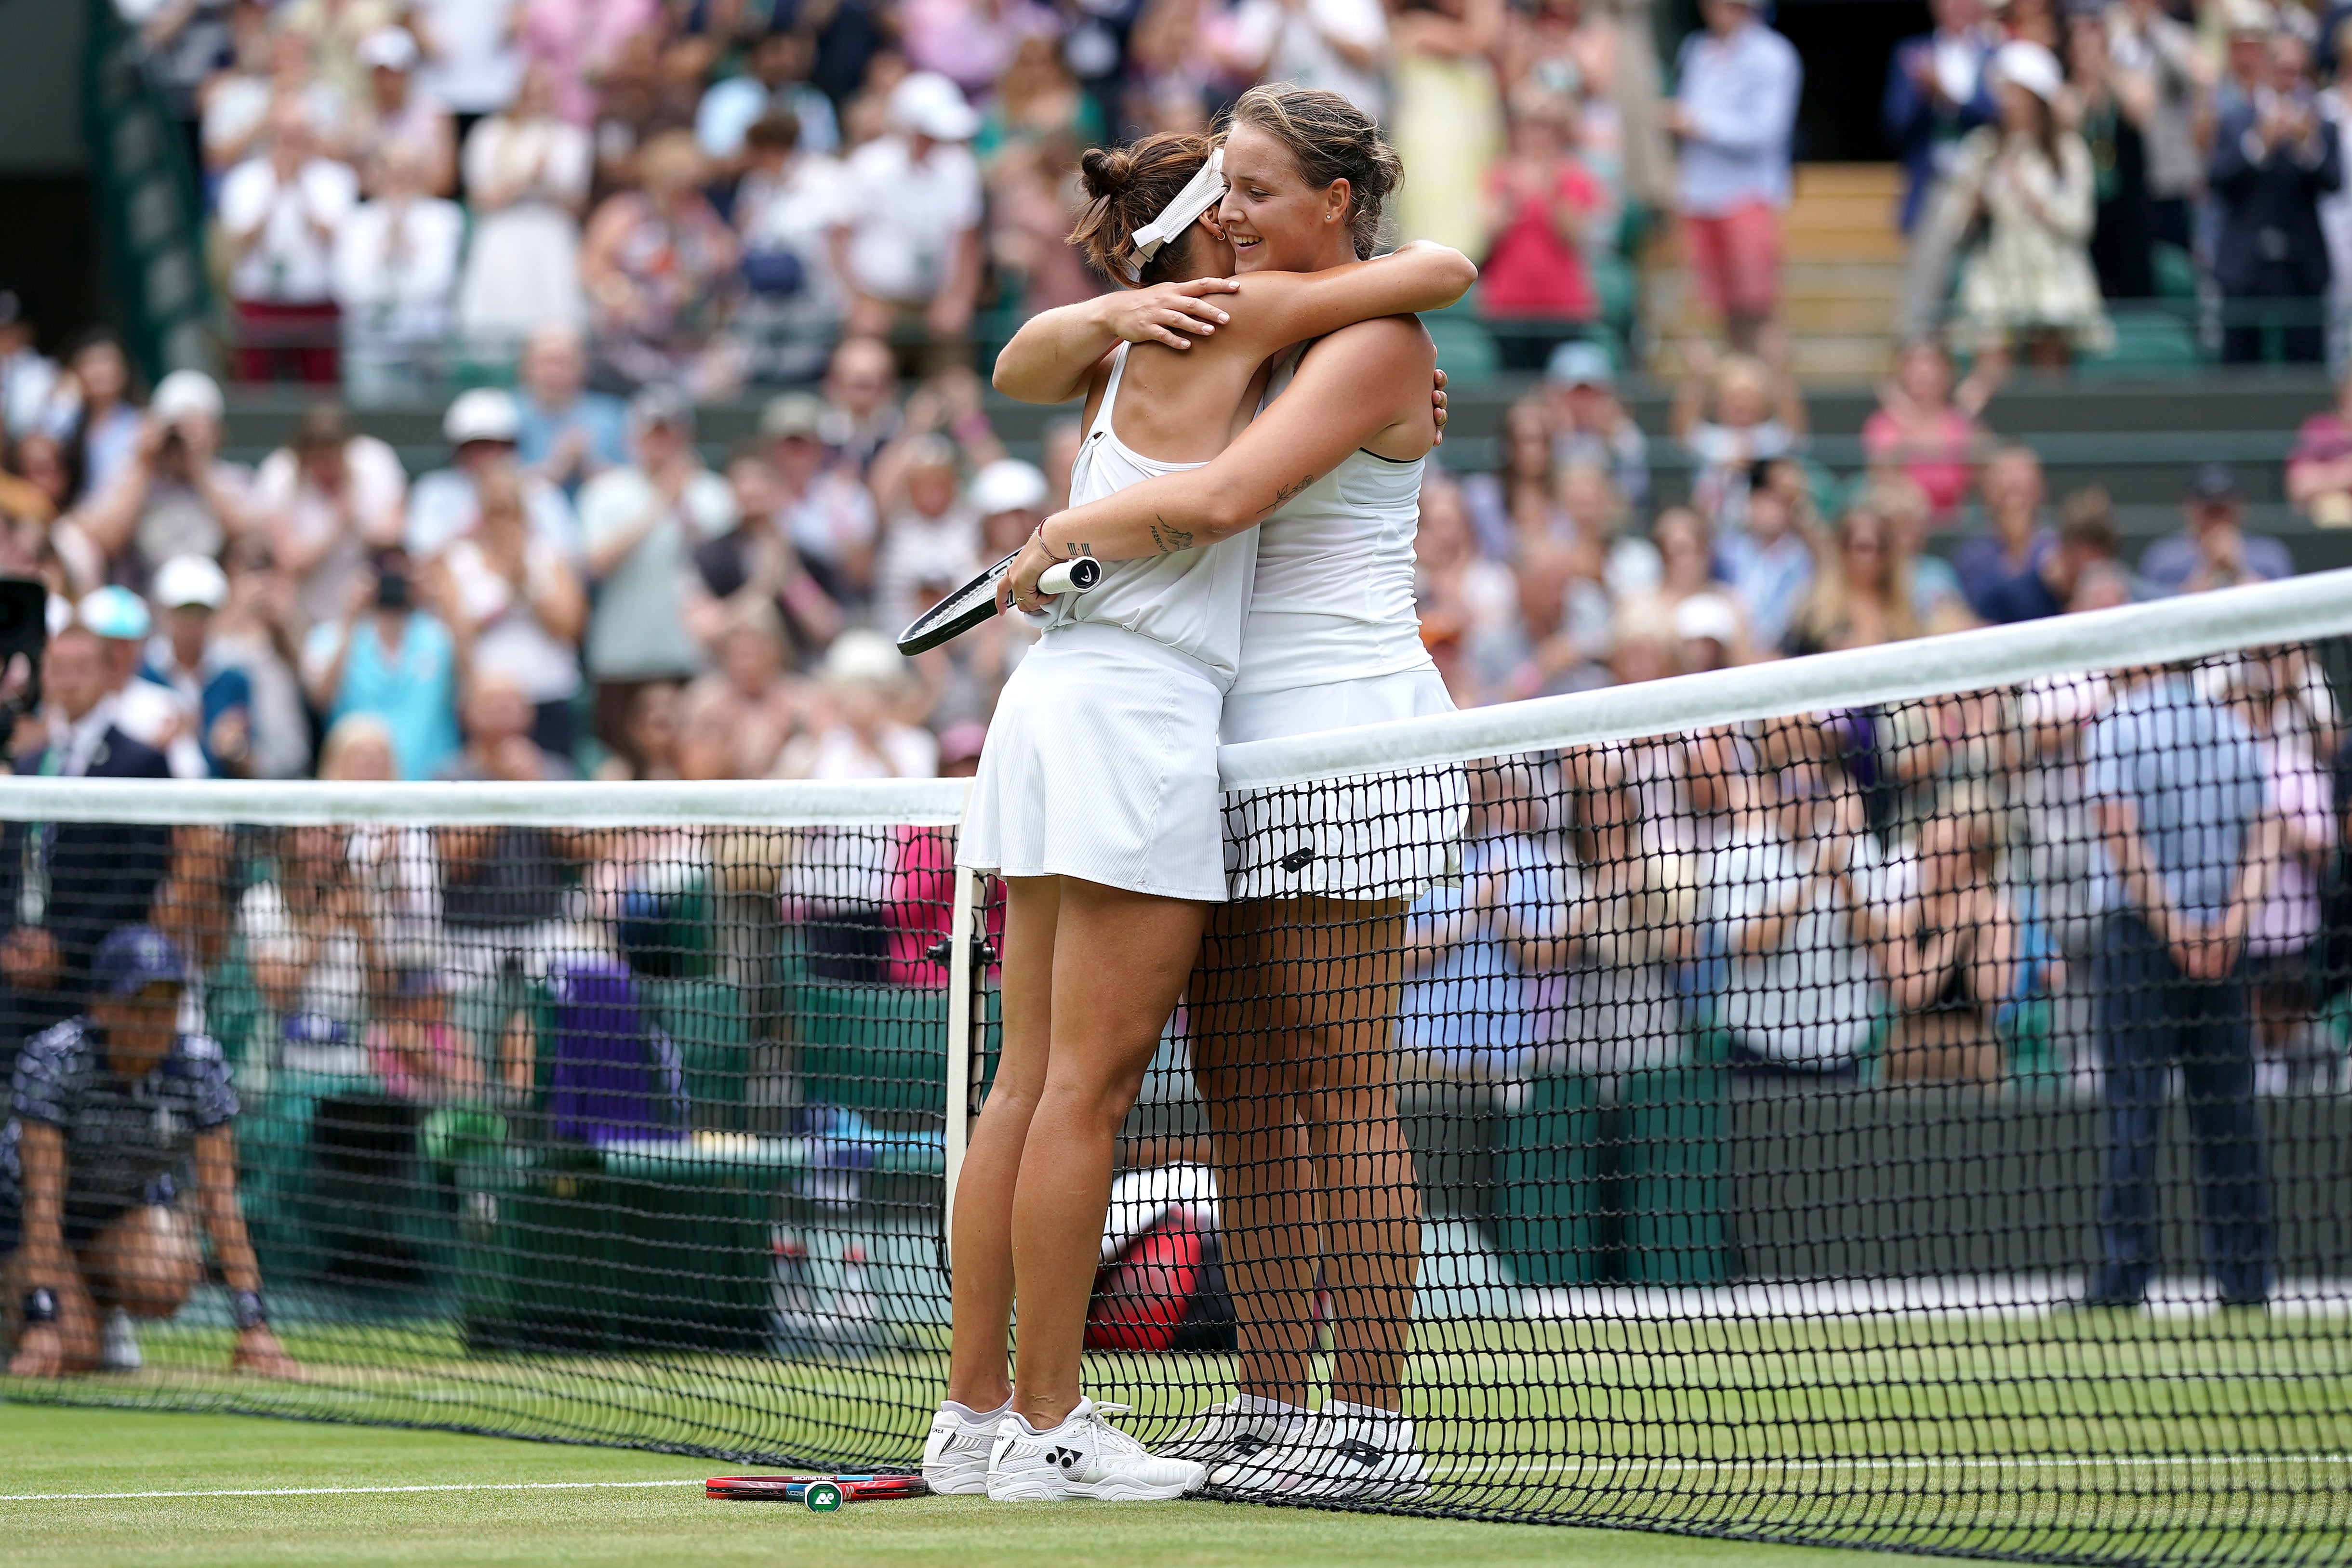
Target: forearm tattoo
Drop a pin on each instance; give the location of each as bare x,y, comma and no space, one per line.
1169,537
1283,495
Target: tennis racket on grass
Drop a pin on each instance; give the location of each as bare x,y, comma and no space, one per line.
796,1489
975,602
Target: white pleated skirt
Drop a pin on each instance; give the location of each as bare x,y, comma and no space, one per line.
1101,763
1375,836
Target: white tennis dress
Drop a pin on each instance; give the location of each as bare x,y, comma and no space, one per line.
1101,762
1333,640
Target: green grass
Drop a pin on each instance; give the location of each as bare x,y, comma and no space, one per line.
48,1449
2106,1437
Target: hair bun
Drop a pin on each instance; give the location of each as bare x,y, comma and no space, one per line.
1107,171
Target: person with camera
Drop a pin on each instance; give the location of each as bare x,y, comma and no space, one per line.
387,656
176,497
110,1110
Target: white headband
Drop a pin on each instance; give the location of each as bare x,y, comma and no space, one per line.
1204,191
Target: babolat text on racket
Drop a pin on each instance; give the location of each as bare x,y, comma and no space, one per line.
808,1489
975,602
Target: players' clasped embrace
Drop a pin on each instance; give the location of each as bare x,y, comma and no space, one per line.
1258,411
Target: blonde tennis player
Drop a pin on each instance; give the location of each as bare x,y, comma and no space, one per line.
1097,802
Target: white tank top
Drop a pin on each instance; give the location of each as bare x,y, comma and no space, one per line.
1192,601
1333,599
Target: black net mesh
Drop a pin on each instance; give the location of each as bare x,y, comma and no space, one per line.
1923,1125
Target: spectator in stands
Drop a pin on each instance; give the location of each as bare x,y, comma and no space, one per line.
1535,289
1860,595
2017,541
473,63
1588,425
2275,156
786,207
2176,786
395,281
1937,91
28,378
649,736
1577,56
928,528
147,712
2028,179
577,41
860,738
1517,501
65,885
516,608
2213,549
324,501
1337,45
306,936
385,656
176,497
756,564
484,428
1445,117
1038,105
2268,692
1936,596
2319,468
861,400
2146,41
566,434
1735,113
909,245
414,1050
1780,895
182,657
1631,910
94,413
657,263
526,181
271,70
279,212
1769,565
641,525
395,116
829,515
2114,103
1757,416
2085,543
776,84
260,629
1953,952
765,701
1928,429
107,1107
499,717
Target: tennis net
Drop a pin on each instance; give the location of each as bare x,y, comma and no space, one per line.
1897,1098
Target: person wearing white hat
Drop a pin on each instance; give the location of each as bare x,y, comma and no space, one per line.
176,497
148,712
182,659
2032,286
909,243
395,115
482,427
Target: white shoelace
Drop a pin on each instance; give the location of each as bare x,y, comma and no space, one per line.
1111,1438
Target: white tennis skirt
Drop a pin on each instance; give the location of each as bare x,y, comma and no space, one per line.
1373,836
1101,763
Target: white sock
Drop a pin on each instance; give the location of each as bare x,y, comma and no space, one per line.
1083,1404
977,1420
1287,1420
1381,1429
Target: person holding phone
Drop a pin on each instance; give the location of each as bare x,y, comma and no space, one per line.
386,657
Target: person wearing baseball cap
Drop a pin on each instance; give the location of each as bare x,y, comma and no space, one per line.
182,660
115,1110
146,712
483,427
1589,428
2212,548
914,223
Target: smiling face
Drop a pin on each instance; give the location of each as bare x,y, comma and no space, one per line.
1276,221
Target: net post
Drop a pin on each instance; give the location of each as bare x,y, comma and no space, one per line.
960,1032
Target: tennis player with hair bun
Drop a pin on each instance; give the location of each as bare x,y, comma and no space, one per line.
1293,1022
1097,799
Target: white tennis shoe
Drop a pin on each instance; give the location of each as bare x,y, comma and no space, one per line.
1085,1457
118,1350
955,1455
1342,1460
1224,1435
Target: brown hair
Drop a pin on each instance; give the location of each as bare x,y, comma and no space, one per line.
1329,138
1127,188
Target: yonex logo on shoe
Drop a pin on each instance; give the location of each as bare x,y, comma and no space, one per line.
1065,1457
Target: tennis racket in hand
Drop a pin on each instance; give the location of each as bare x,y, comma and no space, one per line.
975,602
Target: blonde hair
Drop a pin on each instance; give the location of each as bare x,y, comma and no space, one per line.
351,731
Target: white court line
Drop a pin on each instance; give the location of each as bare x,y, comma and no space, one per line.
1923,1462
338,1491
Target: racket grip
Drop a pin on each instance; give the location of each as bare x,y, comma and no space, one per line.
1075,576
